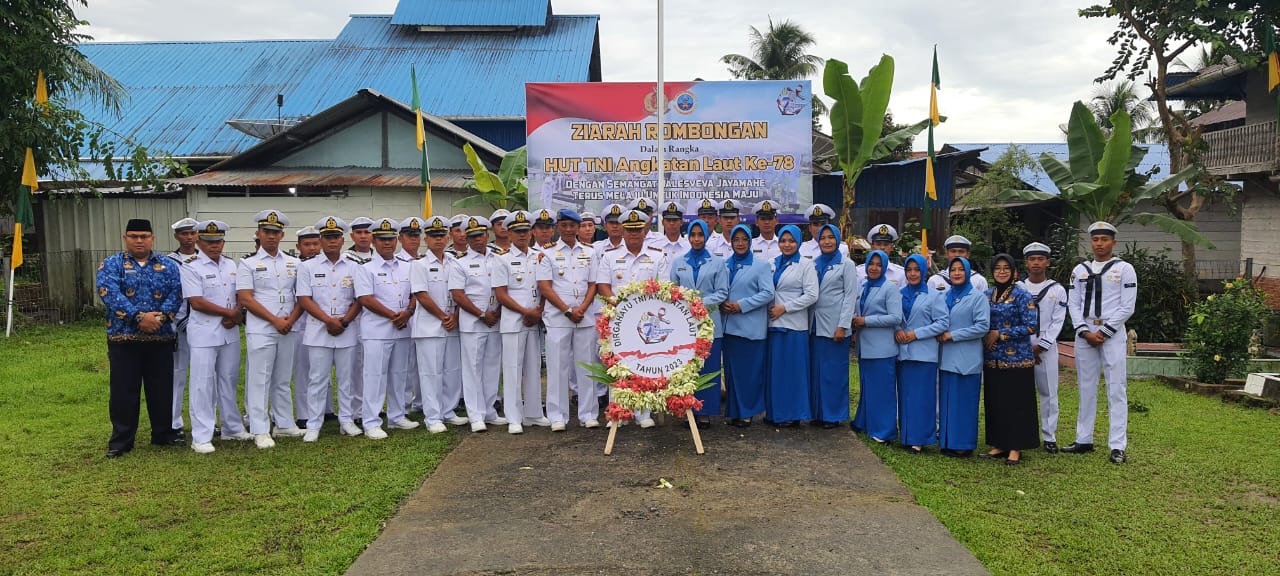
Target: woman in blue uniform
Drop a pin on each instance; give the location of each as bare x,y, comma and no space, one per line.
1009,372
924,317
745,317
795,289
702,271
877,319
828,339
960,362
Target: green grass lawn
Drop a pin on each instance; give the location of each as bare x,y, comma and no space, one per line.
1200,494
65,509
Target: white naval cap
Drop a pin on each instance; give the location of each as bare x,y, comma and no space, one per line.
1036,249
477,225
766,208
643,204
457,220
882,233
590,217
412,226
957,241
820,212
332,225
184,225
307,232
386,228
212,228
1101,227
361,223
635,219
499,215
271,220
672,211
543,217
708,206
436,226
519,221
613,212
729,208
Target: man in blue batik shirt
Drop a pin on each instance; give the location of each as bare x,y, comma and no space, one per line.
142,291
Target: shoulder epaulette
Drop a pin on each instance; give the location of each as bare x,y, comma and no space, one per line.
500,251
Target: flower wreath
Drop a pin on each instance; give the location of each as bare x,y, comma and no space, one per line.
674,393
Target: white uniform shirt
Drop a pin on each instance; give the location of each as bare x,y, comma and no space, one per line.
215,282
939,282
332,286
673,250
183,311
1119,296
810,249
272,279
570,271
620,267
431,275
1053,310
388,282
358,257
718,246
655,238
766,249
518,272
474,276
895,273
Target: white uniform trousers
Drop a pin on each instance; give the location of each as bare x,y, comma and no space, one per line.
215,379
1047,386
429,355
320,360
357,381
267,373
565,348
412,401
521,375
181,361
385,363
481,366
1109,359
302,383
451,390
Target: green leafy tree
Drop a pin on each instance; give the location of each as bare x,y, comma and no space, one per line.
980,217
1219,331
1110,98
781,52
508,189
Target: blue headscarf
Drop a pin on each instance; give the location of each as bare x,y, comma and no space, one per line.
781,263
958,292
696,258
825,261
738,261
868,284
912,291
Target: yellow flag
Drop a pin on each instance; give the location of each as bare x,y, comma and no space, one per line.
924,244
933,104
16,261
29,172
1273,71
42,90
930,186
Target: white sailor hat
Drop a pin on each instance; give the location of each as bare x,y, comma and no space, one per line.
308,232
519,221
708,206
819,212
613,213
729,208
271,220
1101,227
477,225
457,220
590,217
635,219
385,228
766,208
1036,249
882,233
499,215
412,226
361,223
957,241
212,229
436,226
543,217
332,226
643,204
672,211
184,224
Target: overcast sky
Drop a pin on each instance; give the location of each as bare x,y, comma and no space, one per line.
1010,68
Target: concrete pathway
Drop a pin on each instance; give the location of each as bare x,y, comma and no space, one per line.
760,501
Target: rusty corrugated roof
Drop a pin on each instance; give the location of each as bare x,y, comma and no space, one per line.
327,177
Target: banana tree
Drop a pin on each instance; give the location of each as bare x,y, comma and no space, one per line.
1099,179
507,189
857,121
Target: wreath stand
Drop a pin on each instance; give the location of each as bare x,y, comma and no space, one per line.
693,428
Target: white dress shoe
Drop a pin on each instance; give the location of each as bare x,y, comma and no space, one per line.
311,436
457,421
478,427
203,448
404,424
264,441
350,429
557,426
591,424
499,421
514,428
436,428
540,421
647,423
287,432
375,433
238,436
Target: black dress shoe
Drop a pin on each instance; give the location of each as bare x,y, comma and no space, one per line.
113,453
1077,448
740,422
171,441
915,449
1008,462
1051,447
990,456
703,423
1118,457
829,425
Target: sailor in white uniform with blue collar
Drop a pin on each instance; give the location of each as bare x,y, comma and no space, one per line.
384,291
957,247
1051,301
820,215
327,293
308,246
434,322
265,285
184,231
471,285
1102,299
882,237
411,250
360,252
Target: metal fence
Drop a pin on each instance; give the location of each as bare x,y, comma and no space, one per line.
55,287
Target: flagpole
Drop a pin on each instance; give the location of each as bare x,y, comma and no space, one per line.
8,323
661,102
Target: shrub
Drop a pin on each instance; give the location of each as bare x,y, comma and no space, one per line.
1164,292
1219,330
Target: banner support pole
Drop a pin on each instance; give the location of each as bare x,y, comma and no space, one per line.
661,103
8,323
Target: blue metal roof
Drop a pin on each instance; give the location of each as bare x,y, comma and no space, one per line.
1157,157
471,13
891,184
182,93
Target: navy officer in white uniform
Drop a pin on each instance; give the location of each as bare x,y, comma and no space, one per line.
327,293
820,215
566,282
515,285
1051,301
672,243
471,285
765,246
957,247
882,237
434,322
383,290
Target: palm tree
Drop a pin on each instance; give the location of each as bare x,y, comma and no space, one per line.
1204,56
1114,97
780,53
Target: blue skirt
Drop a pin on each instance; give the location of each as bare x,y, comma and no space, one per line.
958,410
786,397
744,362
829,379
710,397
878,398
918,402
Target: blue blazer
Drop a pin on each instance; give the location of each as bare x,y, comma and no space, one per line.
837,296
883,311
928,319
970,321
752,289
713,283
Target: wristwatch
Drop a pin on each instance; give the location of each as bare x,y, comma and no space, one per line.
344,322
568,312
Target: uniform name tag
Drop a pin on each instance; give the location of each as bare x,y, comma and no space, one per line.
382,273
210,276
434,269
475,265
1131,285
319,275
